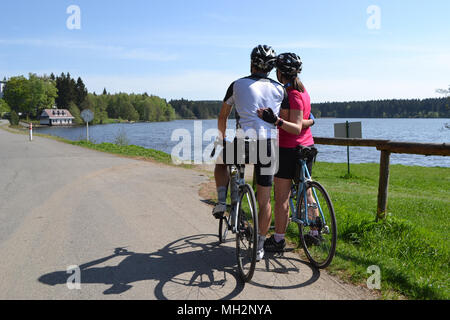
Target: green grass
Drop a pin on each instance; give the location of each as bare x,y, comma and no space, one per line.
128,150
411,246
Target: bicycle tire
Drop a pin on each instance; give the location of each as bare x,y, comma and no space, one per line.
321,253
247,233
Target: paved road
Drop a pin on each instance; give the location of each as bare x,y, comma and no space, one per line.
135,229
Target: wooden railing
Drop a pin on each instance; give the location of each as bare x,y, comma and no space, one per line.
387,147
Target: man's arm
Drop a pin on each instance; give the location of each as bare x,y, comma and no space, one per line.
223,117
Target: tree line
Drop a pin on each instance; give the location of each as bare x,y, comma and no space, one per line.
30,96
394,108
188,109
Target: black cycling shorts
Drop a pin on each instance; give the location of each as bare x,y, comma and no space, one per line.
264,166
289,165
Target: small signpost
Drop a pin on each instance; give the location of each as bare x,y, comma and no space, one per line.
87,116
348,130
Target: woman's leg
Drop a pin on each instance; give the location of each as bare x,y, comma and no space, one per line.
282,193
312,212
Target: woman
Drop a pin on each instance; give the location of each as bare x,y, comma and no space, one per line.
294,130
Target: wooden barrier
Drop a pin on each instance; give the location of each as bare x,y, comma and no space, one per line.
387,147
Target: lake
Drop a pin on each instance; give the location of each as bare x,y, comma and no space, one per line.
157,135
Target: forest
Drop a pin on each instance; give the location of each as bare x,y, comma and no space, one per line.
29,96
395,108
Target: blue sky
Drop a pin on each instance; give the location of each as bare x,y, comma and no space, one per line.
195,49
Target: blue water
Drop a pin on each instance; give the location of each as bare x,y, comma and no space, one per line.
157,135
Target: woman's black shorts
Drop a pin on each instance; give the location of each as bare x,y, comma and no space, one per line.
288,165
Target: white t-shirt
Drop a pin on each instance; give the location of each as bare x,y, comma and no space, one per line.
252,93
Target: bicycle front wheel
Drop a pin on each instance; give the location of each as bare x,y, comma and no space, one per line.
246,233
318,237
223,227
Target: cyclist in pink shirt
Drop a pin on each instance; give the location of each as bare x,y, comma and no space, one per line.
294,130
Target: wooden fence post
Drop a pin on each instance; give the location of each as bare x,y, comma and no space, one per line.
383,184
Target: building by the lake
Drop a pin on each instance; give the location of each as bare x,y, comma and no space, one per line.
56,117
2,87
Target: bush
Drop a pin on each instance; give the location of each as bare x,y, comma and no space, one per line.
121,138
4,108
14,118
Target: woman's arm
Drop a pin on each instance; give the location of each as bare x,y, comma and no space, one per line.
307,123
292,120
289,120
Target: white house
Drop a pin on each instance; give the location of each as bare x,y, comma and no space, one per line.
56,117
2,86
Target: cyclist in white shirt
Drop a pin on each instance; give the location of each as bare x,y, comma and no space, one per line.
248,95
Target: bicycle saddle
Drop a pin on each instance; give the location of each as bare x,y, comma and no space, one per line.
306,153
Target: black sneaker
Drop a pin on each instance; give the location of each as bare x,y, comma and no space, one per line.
270,245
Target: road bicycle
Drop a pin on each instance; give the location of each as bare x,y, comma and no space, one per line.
312,210
241,217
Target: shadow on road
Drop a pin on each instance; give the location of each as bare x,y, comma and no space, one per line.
194,267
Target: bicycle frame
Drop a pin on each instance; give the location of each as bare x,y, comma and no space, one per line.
304,178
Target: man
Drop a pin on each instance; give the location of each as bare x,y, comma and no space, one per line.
248,95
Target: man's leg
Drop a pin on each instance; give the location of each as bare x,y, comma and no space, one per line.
221,177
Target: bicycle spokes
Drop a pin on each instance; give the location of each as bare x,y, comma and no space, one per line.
318,234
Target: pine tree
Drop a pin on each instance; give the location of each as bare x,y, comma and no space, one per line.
80,92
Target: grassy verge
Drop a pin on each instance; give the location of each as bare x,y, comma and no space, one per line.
129,150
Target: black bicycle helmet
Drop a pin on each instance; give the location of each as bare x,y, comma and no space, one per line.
264,58
289,64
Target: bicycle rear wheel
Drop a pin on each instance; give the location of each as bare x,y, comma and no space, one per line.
319,237
246,233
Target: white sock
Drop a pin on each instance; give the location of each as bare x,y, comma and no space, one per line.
261,240
278,237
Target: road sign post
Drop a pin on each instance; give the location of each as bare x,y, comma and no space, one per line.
87,116
348,130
